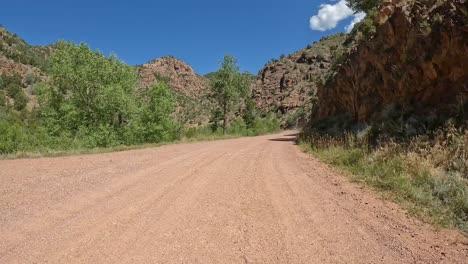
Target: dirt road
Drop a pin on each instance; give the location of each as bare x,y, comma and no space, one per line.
248,200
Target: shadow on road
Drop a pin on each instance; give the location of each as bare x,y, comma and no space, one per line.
285,139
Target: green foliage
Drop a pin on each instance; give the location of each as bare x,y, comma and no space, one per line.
154,122
2,99
363,30
260,126
364,5
367,26
88,89
21,100
13,89
249,113
9,40
91,101
8,80
12,137
272,61
30,79
162,78
229,87
102,136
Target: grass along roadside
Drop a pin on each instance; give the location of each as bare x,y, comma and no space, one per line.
190,136
427,192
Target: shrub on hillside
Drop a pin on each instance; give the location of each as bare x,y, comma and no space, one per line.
12,90
2,99
21,100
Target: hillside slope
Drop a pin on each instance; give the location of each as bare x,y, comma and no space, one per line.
21,66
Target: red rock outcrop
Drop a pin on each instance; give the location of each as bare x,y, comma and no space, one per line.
180,76
418,57
288,84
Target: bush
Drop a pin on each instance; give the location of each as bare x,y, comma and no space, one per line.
103,136
30,79
21,100
364,5
154,122
9,40
261,125
268,124
12,137
13,89
2,99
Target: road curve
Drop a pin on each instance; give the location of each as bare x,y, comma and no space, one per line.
247,200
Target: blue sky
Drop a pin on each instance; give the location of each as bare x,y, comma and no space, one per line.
198,32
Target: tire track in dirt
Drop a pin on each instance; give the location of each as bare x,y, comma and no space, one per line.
248,200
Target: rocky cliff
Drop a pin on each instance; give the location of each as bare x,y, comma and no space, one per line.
417,59
190,88
180,76
287,84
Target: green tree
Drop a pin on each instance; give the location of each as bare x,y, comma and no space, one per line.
87,88
228,88
364,5
249,113
156,114
154,121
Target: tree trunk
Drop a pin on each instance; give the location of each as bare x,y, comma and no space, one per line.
224,118
120,119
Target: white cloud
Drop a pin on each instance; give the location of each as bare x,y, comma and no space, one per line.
329,15
357,18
